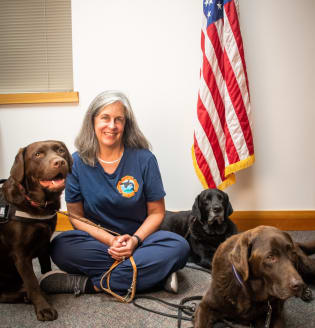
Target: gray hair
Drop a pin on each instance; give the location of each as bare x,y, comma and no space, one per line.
86,141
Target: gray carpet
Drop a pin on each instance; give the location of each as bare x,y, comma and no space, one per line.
101,310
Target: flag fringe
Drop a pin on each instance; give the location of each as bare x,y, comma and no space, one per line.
245,163
229,171
197,169
229,180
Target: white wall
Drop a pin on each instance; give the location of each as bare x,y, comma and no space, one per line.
151,51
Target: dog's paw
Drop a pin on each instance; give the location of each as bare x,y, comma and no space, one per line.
221,325
307,295
26,300
47,314
206,263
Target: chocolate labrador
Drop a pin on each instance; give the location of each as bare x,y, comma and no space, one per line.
253,273
205,227
29,200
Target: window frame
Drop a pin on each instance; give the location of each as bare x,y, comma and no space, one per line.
51,27
39,98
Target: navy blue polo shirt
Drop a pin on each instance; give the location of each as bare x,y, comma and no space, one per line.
116,201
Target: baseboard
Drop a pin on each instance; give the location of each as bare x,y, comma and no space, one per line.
63,223
284,220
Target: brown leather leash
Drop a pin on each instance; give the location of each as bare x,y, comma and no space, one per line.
132,290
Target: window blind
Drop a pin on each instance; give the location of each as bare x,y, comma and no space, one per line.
35,46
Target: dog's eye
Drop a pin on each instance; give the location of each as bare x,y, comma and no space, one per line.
61,151
37,154
271,257
294,254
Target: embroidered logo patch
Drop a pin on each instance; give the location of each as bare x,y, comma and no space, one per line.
128,186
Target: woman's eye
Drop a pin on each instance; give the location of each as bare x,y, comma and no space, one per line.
119,119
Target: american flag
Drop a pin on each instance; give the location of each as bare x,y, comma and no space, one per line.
223,141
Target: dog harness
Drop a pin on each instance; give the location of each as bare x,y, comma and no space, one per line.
4,206
28,217
4,213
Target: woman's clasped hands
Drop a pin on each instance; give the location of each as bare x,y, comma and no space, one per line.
122,247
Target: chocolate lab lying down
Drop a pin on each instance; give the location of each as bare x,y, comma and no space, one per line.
33,190
253,273
205,227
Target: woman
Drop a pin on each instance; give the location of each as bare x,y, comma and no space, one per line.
116,183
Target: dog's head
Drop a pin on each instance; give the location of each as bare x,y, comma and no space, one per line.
39,168
267,258
211,209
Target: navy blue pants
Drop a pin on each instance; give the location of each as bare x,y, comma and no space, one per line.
161,253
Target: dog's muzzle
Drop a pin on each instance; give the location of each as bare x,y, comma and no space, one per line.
216,217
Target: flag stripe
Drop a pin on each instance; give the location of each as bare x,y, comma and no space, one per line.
208,109
216,52
207,125
218,90
238,104
202,164
235,129
235,77
232,16
239,69
214,79
208,158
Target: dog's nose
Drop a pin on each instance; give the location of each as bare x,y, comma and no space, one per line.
296,284
58,162
216,208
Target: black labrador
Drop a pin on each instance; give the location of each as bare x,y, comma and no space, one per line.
205,227
29,200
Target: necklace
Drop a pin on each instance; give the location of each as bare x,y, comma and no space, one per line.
111,162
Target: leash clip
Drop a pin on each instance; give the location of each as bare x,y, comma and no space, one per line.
268,318
191,308
129,292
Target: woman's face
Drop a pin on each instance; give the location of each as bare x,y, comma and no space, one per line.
109,125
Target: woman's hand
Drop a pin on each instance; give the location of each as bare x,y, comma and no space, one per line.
122,247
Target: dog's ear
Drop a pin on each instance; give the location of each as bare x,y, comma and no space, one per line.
68,156
228,207
13,191
196,209
240,254
17,169
12,188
